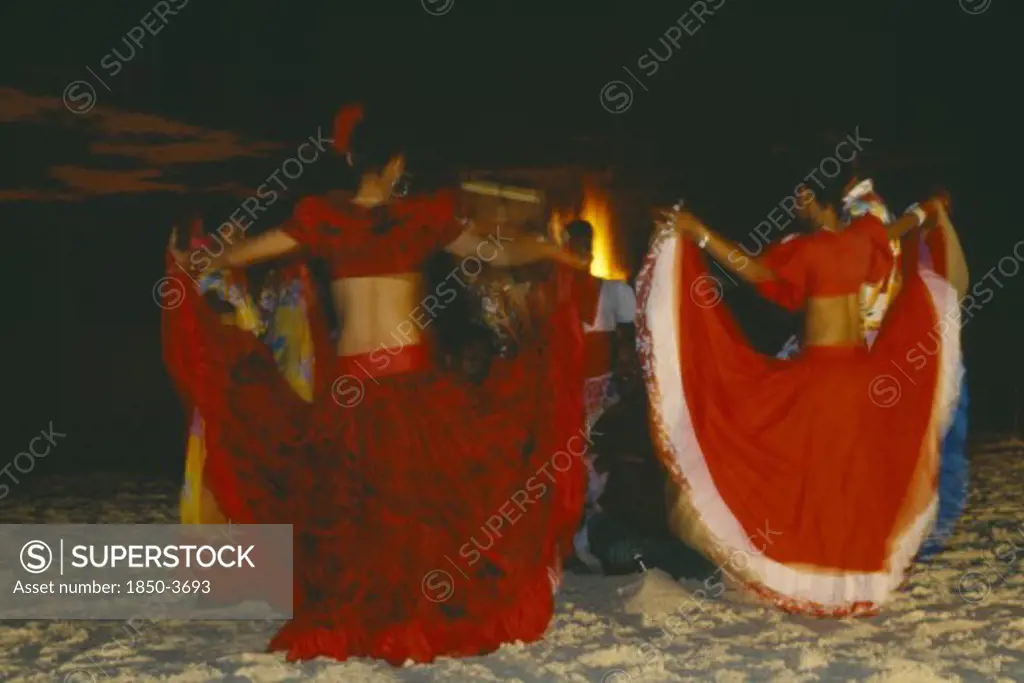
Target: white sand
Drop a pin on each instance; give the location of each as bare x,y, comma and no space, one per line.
928,634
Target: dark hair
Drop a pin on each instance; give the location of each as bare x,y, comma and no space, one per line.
375,141
463,343
818,161
811,171
380,137
580,229
327,174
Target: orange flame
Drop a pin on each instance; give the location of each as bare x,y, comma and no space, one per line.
597,211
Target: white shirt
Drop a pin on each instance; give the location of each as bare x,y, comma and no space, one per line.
616,305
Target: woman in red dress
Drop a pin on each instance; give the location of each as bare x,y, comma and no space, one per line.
811,482
430,512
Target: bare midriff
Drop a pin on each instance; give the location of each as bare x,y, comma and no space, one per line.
833,321
375,312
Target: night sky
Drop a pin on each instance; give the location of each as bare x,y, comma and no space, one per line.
223,92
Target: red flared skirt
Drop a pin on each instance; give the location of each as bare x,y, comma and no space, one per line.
812,482
429,514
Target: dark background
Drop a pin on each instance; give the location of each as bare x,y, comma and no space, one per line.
492,83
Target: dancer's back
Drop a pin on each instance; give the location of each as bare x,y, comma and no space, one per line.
400,458
376,312
831,451
371,310
823,273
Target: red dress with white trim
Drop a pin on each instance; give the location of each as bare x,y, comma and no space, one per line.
810,481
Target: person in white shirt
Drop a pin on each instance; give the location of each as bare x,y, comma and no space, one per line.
618,536
609,314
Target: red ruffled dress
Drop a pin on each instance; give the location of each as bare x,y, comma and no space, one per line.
430,514
812,482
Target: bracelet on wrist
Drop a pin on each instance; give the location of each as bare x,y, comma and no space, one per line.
919,212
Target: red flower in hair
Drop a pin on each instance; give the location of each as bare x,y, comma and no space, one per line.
344,123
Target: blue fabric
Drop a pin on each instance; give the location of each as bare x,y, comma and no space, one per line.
954,476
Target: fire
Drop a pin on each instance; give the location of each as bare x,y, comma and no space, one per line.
597,211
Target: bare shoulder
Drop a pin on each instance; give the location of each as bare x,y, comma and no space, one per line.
338,199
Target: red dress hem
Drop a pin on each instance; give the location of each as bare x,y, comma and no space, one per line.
525,619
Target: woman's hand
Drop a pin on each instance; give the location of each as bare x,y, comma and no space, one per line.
936,208
683,222
938,212
180,257
939,203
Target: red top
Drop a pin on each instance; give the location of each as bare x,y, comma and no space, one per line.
827,263
587,290
597,343
359,242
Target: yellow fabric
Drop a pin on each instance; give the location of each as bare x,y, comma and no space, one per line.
294,358
197,504
292,323
195,457
956,262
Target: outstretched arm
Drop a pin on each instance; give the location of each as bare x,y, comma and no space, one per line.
908,221
726,252
902,225
269,245
518,251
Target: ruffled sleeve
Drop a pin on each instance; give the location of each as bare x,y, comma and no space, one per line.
420,225
404,234
394,238
325,231
789,286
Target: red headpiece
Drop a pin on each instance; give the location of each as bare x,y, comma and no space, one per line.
344,123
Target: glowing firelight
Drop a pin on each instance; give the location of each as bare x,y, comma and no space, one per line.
596,210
